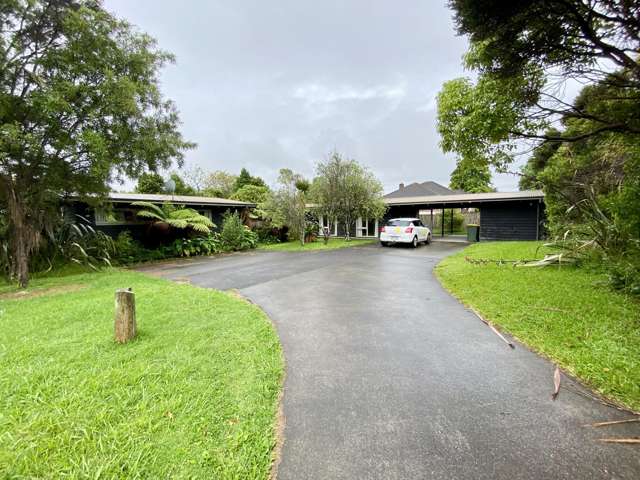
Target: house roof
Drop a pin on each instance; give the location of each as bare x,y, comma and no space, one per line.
420,189
467,198
177,199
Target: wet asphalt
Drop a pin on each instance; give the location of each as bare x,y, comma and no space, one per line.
389,377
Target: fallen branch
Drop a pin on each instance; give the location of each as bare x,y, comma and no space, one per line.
614,422
556,384
486,322
635,440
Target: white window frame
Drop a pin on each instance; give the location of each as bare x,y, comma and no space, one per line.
323,224
362,228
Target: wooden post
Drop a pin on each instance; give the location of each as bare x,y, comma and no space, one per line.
125,318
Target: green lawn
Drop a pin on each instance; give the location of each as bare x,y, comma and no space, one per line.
194,396
566,313
319,244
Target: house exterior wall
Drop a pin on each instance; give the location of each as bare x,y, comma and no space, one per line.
122,217
360,229
511,220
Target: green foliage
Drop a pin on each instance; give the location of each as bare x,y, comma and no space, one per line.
235,235
73,240
562,312
80,106
472,177
287,206
538,161
128,251
150,183
246,179
219,184
177,217
251,193
200,245
194,396
343,190
182,188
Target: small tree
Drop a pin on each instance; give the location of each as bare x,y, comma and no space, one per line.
472,177
287,205
343,190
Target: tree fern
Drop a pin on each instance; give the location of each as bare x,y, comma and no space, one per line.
177,217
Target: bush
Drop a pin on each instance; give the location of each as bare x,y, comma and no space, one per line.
73,240
235,235
128,250
201,245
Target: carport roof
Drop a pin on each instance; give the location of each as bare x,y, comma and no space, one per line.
467,198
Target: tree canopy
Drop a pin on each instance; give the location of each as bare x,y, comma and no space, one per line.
471,177
80,108
245,178
150,183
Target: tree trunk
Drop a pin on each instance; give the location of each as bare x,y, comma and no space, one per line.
21,239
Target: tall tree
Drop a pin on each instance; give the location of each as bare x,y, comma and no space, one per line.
245,178
343,190
525,53
80,107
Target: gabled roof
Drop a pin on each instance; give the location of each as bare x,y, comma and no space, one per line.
469,198
177,199
420,189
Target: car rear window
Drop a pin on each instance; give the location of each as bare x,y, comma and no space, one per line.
398,223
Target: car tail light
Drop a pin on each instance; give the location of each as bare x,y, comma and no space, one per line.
408,230
381,229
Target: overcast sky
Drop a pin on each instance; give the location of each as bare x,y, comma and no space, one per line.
267,85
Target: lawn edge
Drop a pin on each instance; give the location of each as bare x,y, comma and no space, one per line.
280,419
598,396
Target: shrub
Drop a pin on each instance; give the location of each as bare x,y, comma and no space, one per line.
129,250
201,245
73,240
235,235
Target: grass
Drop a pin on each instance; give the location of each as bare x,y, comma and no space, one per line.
564,313
334,243
193,396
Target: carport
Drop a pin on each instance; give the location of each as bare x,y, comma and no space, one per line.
503,215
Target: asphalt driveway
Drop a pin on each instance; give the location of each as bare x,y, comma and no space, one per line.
390,377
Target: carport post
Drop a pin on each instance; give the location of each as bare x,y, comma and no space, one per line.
431,219
451,224
442,223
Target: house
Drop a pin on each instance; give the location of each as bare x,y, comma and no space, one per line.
369,228
118,214
503,215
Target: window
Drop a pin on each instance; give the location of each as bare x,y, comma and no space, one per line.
366,227
117,216
398,223
323,222
417,223
205,213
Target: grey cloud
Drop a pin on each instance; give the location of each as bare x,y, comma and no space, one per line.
268,85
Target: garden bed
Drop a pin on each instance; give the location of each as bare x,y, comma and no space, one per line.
318,244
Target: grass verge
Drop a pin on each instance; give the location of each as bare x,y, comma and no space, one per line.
564,313
193,396
334,243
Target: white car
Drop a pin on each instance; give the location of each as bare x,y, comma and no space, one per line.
404,230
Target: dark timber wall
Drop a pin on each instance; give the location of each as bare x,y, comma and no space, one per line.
510,220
